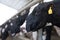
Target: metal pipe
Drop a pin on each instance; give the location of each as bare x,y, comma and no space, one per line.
29,5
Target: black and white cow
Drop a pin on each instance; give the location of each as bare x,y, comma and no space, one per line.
37,19
40,16
34,34
12,26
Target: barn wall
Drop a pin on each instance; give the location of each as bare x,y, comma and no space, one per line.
17,4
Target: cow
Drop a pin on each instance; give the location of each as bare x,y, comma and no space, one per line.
12,26
31,35
40,16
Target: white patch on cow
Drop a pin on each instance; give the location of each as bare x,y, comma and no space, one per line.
11,24
17,16
24,25
48,24
47,0
13,34
3,30
44,35
32,8
6,26
21,33
9,20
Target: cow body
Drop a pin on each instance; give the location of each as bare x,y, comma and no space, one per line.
39,17
36,20
12,26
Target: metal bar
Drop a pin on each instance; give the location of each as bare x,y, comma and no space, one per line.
29,5
39,35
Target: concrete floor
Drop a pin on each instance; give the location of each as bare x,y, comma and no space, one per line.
54,37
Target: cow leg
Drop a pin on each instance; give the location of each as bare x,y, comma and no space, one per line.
39,34
5,35
34,35
48,31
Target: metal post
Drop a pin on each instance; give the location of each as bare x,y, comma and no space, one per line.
39,35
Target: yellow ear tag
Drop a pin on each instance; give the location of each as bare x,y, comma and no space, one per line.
50,11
